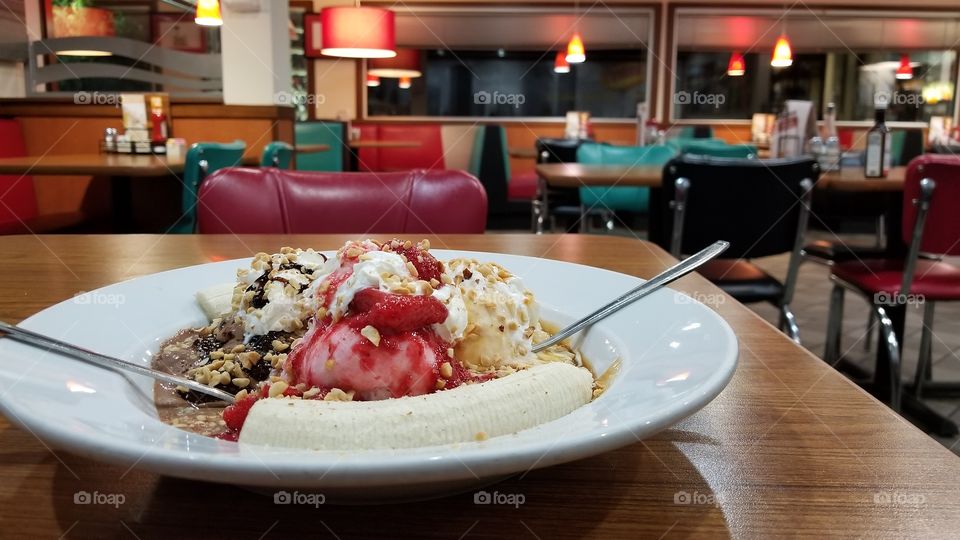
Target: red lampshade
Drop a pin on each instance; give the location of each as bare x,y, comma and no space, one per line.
373,80
405,64
358,32
575,50
782,55
905,71
736,67
208,13
560,65
405,82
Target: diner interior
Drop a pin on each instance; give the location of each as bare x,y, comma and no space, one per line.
821,140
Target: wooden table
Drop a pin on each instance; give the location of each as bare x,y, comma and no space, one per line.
789,448
120,169
853,179
371,143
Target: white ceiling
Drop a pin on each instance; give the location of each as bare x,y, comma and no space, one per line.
521,29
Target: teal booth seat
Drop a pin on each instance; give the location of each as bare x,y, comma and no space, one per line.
202,159
680,144
328,132
277,154
721,150
634,199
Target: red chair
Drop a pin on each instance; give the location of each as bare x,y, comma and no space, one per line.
18,200
276,201
931,226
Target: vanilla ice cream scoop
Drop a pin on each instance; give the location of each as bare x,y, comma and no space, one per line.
502,316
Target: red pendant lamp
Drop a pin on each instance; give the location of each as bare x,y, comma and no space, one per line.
782,54
575,51
560,65
358,32
208,13
905,71
405,82
737,66
405,64
373,81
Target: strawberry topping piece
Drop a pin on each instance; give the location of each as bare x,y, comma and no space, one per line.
428,267
394,313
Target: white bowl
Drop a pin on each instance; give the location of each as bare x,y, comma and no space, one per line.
676,354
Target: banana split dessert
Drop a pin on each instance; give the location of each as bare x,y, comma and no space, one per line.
381,346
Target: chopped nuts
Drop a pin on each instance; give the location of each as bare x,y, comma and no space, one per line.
372,334
278,388
329,364
446,370
241,394
241,382
481,436
311,393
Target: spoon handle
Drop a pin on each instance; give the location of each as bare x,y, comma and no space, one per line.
673,273
101,360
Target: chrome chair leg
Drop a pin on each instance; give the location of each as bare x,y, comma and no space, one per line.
831,352
788,323
536,216
925,361
871,323
893,350
608,220
584,220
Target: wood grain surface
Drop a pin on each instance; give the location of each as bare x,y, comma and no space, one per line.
789,448
576,175
98,165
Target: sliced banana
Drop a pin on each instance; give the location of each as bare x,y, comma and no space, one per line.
216,300
467,413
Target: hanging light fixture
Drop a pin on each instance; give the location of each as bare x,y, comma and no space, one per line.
782,54
737,66
358,32
560,65
208,13
905,71
575,52
373,81
405,64
405,82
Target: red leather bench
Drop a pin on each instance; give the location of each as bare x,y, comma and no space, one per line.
18,199
427,155
273,201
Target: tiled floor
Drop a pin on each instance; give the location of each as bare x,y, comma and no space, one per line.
811,305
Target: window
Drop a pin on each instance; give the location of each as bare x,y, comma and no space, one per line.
852,80
494,83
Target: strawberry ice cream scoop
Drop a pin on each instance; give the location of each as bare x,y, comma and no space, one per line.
384,349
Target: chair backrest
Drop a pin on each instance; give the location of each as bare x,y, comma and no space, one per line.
605,154
557,150
277,154
941,231
203,159
753,204
489,163
721,150
16,191
275,201
425,153
329,132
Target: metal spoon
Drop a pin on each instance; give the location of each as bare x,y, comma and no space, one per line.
673,273
102,360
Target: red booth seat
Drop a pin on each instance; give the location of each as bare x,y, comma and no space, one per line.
428,154
275,201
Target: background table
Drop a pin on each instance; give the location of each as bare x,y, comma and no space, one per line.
790,447
120,169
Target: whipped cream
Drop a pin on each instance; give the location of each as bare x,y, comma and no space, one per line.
279,291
